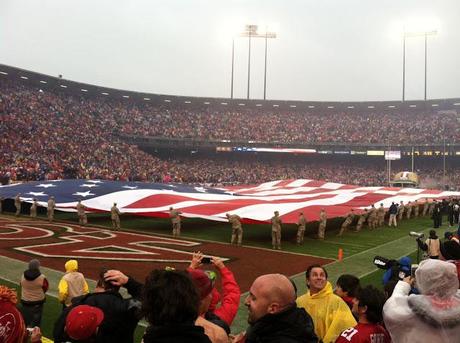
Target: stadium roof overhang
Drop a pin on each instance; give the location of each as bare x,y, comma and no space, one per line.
47,82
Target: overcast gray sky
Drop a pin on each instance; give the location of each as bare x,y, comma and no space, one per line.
335,50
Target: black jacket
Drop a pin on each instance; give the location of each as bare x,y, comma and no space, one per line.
120,315
393,209
290,326
176,334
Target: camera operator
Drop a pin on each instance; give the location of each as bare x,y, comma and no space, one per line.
396,270
431,245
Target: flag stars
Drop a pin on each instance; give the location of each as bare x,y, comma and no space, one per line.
88,185
129,187
83,194
46,185
38,194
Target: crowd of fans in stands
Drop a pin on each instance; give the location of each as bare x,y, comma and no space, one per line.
291,127
47,135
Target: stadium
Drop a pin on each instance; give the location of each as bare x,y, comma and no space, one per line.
208,158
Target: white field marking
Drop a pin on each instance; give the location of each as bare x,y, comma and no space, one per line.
18,228
30,250
2,218
124,250
68,240
140,235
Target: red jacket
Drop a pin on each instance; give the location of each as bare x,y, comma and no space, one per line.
230,299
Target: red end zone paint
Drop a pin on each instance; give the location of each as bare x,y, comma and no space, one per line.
135,254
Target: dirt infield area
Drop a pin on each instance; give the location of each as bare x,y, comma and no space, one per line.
134,253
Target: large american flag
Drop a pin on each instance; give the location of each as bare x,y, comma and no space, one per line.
255,204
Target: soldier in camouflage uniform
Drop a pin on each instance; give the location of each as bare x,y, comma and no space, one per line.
416,209
33,209
175,220
381,215
301,228
50,209
322,224
400,211
408,209
17,204
431,208
426,206
362,219
237,229
276,231
348,220
372,217
115,216
82,218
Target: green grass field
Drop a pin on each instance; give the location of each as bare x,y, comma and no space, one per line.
359,250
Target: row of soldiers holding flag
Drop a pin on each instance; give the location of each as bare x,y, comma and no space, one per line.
376,217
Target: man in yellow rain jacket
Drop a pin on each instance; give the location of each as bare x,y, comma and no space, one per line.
72,284
330,314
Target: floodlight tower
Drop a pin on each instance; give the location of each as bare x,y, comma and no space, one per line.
252,31
409,35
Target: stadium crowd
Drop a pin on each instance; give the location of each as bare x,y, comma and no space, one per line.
186,306
49,135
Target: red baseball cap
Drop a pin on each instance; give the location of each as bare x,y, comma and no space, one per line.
82,321
202,282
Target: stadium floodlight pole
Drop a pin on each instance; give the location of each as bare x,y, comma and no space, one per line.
444,152
404,67
251,31
424,34
233,66
267,35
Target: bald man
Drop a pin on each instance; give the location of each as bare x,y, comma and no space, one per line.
273,315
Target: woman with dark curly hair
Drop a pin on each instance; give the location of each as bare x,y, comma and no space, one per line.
170,305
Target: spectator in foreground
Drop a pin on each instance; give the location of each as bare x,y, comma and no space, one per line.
367,307
83,322
450,251
347,287
72,284
204,284
330,313
170,305
34,286
434,315
120,315
273,315
12,326
229,299
449,236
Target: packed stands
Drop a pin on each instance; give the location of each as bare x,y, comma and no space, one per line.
48,134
